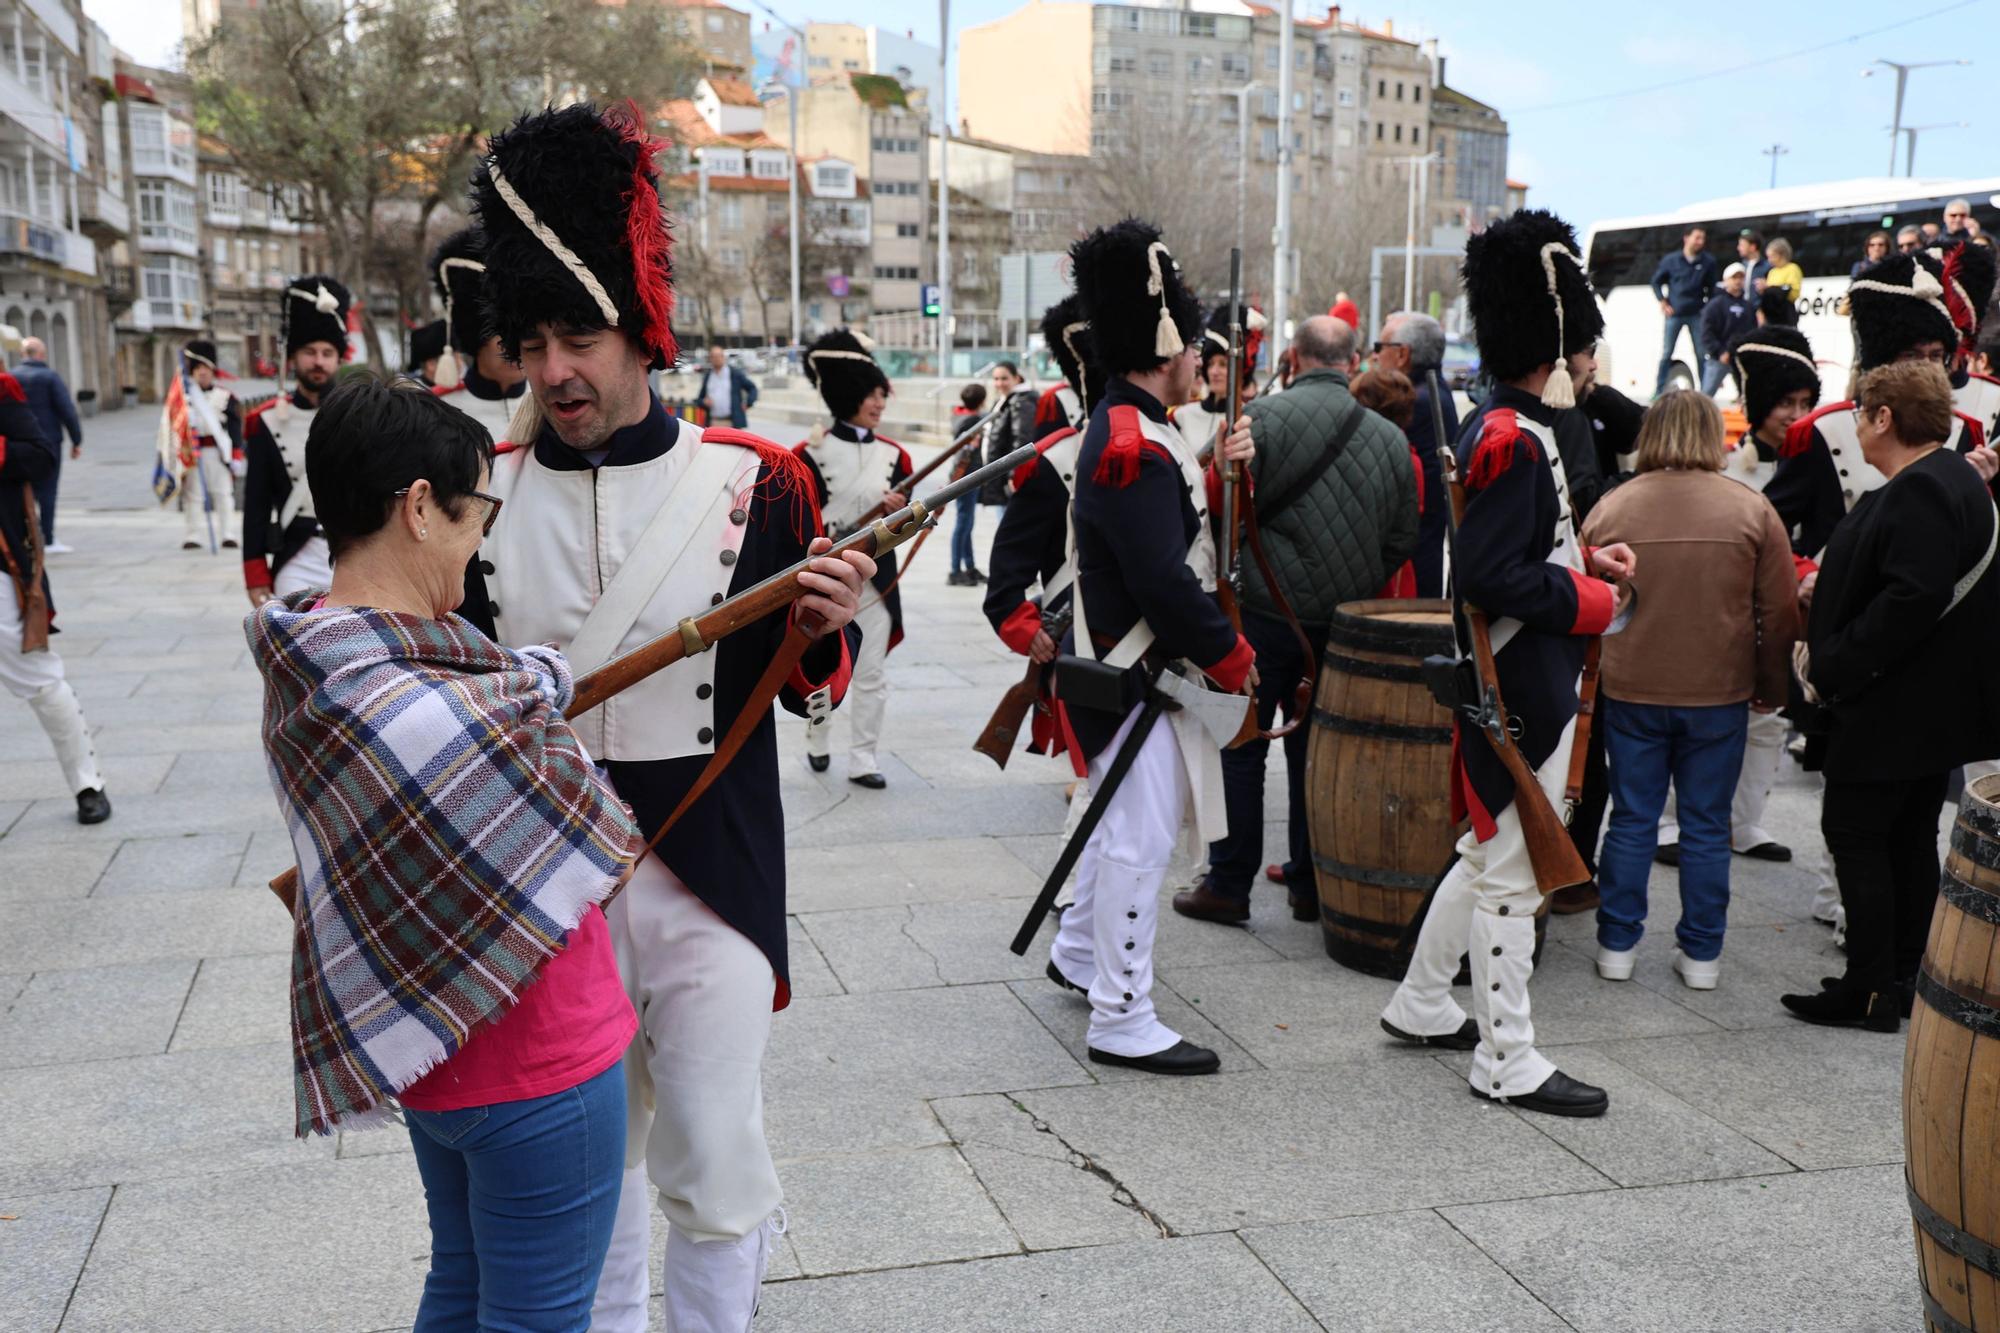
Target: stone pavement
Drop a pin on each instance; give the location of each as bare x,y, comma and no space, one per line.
950,1160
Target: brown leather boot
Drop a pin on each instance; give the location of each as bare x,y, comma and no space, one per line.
1205,904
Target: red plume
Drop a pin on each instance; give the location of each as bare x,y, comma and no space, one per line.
1961,313
646,237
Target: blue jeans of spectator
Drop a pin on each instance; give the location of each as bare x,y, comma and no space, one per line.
1235,861
1675,324
521,1197
1701,751
1713,373
964,509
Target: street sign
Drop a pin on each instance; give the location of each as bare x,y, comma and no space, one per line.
836,285
1033,281
931,304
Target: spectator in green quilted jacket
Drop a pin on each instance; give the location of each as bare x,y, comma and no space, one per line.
1336,497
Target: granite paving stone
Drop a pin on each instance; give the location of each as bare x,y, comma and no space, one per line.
161,865
1409,1270
1290,1015
1067,1015
890,1209
924,944
43,1243
242,1001
95,1013
141,927
34,872
1815,1250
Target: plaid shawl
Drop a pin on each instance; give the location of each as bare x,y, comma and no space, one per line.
449,828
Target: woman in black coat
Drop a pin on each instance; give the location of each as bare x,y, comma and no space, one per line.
1904,625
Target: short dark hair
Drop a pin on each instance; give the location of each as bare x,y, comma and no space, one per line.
972,397
1752,235
370,439
1694,227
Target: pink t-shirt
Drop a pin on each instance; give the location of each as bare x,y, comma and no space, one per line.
571,1024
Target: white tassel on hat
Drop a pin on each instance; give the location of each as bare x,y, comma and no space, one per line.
1560,391
1166,337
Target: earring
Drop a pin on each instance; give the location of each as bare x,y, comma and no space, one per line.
422,533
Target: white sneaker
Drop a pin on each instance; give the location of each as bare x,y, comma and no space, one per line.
1615,964
1698,976
57,548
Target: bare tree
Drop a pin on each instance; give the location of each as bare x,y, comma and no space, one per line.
360,104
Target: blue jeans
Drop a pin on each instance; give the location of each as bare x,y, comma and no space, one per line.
1676,323
521,1197
964,510
1713,373
1236,861
1701,750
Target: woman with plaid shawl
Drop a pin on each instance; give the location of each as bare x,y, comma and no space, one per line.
454,845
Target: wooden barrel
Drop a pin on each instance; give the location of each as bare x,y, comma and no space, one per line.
1378,772
1951,1080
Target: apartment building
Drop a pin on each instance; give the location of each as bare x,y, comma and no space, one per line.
253,241
50,268
1038,191
721,34
1469,182
156,113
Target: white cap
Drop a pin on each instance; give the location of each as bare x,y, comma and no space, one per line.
1734,271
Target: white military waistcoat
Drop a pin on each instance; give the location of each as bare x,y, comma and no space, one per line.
492,413
601,560
288,424
855,472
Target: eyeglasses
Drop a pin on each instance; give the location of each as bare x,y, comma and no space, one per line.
1380,347
493,511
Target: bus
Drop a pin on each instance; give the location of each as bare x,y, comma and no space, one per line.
1827,225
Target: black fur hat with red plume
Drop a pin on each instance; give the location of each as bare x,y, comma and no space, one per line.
568,200
841,365
1141,313
1529,300
1215,342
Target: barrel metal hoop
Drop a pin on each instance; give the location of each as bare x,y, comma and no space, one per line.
1381,879
1386,929
1940,1318
1981,1254
1397,640
1970,899
1982,816
1388,731
1976,1015
1981,850
1366,957
1407,672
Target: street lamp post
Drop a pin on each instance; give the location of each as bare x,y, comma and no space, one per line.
1281,233
1774,152
1417,165
1910,133
793,88
944,191
1902,81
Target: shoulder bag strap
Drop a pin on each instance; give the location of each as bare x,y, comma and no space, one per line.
1978,571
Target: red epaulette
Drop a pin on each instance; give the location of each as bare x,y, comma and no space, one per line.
791,476
902,454
1973,431
10,389
1799,437
1042,446
1500,435
253,413
1118,467
503,447
440,390
1049,408
1975,375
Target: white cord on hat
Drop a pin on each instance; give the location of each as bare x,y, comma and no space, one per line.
322,300
1166,337
1069,341
1560,391
1924,287
448,372
577,268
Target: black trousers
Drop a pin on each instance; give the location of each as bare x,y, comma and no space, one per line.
1235,862
1883,839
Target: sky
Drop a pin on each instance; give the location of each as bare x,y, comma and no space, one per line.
1572,80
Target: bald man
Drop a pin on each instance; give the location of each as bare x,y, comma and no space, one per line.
55,413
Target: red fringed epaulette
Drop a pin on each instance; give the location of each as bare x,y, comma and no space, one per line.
1799,436
1118,467
251,414
10,389
1493,452
1049,408
1042,446
1974,432
788,477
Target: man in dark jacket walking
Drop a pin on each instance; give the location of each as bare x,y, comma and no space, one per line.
1683,281
725,392
1414,345
1337,502
1729,314
54,412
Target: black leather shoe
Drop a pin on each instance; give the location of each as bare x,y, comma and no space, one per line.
974,577
1205,904
956,578
818,762
92,806
1464,1039
1305,906
190,546
1769,851
1849,1007
1668,854
228,543
872,781
1559,1095
1183,1057
1055,975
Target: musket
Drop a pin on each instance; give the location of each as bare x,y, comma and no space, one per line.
697,634
28,586
1554,858
996,742
908,486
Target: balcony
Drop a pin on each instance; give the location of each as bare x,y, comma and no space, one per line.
121,286
103,216
35,241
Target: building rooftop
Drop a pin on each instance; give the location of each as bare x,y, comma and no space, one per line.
731,90
690,129
1448,94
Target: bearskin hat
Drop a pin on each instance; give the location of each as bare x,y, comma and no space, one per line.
426,344
1777,307
1772,362
1067,334
316,311
841,365
1141,313
457,271
568,201
201,352
1215,342
1530,302
1924,296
